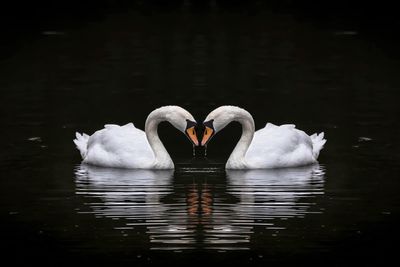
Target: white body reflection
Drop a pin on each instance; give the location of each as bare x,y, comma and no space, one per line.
191,213
123,193
265,199
276,193
135,196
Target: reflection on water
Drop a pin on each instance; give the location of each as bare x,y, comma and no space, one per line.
138,196
190,213
120,193
280,193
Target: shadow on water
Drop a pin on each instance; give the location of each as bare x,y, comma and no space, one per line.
174,212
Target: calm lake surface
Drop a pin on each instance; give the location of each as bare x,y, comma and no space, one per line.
117,69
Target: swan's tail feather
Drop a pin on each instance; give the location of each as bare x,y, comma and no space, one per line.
318,142
81,143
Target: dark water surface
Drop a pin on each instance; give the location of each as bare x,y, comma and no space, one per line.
118,69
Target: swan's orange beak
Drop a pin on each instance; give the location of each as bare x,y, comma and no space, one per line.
208,133
191,133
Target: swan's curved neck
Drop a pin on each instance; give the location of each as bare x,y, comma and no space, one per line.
238,154
162,158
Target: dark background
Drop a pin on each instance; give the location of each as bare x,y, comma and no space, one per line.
376,22
18,19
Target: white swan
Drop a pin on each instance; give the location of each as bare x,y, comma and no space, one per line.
129,147
270,147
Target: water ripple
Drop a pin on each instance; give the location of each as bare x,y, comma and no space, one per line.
180,210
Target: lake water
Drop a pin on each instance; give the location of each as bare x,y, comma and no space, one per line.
119,68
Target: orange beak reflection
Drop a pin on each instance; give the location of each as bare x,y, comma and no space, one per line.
191,133
208,132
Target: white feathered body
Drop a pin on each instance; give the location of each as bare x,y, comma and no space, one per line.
283,146
116,146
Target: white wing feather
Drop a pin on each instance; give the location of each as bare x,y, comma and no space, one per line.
116,146
283,146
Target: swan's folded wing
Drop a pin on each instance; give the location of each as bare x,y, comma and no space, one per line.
119,146
279,146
